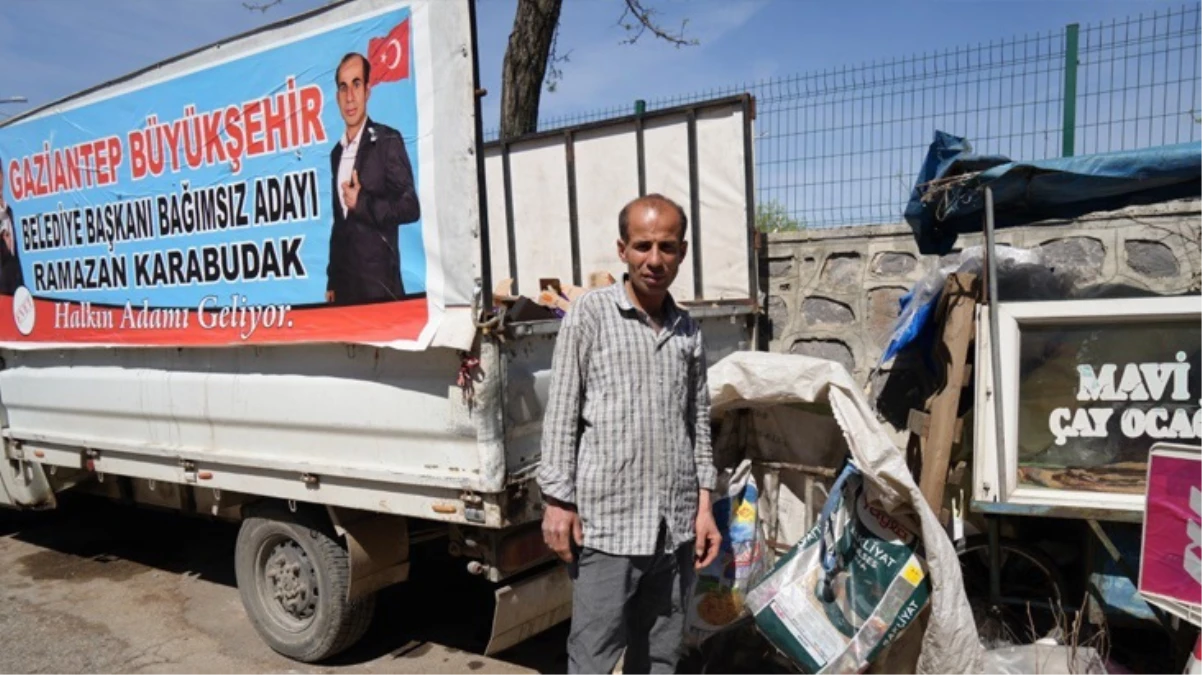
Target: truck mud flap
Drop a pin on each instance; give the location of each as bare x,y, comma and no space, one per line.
24,484
529,607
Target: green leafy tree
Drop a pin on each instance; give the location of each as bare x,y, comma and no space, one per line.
772,216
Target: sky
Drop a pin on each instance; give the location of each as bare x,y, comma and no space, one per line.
52,48
828,160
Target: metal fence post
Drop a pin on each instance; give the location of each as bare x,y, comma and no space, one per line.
1070,89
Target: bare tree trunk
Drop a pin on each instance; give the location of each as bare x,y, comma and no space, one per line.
525,64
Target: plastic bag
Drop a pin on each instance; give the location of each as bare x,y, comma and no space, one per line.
1044,658
1022,275
719,588
847,590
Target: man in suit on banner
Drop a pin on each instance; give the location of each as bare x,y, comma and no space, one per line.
11,277
374,194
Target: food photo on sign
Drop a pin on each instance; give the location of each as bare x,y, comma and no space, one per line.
272,197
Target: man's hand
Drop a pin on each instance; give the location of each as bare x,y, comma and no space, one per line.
708,538
350,191
561,526
329,296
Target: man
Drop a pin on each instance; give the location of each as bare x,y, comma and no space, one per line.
627,466
373,195
11,277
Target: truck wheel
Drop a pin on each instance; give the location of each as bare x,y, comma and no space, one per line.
293,574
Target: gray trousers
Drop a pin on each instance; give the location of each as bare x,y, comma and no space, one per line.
636,603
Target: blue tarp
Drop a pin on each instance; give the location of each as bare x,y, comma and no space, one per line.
1024,192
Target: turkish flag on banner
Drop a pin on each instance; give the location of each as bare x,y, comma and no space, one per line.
389,55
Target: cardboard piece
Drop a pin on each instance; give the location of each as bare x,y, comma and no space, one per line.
600,279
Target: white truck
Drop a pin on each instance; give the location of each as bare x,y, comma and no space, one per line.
333,443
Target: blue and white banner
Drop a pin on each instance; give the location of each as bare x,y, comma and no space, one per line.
272,189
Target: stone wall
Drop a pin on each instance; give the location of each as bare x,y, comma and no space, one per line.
834,293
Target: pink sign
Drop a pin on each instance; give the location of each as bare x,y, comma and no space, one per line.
1171,561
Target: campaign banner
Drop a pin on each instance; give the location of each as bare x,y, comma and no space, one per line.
278,195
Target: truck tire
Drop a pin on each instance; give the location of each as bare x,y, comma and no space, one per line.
293,573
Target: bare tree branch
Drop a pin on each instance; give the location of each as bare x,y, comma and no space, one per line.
554,72
261,6
644,20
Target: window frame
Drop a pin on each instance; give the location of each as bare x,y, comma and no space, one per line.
995,478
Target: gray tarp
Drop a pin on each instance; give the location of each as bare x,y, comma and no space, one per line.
762,380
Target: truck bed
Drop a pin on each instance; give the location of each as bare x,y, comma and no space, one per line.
360,427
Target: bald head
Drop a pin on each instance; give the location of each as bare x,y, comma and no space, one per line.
655,202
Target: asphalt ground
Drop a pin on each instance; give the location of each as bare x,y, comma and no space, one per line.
97,586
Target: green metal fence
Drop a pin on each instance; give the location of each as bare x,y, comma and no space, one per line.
841,146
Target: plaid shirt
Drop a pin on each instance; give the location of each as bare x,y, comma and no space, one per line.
626,436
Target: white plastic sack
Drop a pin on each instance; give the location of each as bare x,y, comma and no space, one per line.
758,379
719,589
1044,658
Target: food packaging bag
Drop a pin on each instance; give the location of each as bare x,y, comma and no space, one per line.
719,588
845,591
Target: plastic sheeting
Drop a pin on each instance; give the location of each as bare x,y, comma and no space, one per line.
772,382
1021,274
1025,192
1045,658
